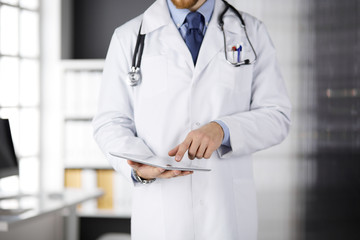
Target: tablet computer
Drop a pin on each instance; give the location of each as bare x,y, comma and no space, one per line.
167,163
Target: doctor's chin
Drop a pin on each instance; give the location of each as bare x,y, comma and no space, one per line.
179,120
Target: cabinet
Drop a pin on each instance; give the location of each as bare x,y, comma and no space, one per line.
84,164
81,82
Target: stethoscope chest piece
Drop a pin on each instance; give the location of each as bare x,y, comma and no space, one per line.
134,76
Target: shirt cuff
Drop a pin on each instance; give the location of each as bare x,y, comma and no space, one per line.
133,177
226,139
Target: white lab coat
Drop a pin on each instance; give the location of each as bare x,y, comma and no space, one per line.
174,98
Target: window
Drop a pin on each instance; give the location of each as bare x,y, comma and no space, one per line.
20,85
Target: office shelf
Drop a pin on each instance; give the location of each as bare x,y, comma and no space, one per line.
104,213
85,165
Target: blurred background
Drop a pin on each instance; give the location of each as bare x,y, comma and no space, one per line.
51,58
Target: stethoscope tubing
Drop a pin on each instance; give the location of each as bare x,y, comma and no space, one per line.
221,24
140,42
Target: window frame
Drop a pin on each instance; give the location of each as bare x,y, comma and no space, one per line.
21,108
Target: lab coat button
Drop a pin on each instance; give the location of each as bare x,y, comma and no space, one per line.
197,124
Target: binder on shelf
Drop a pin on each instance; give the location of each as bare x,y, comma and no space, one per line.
89,183
105,182
73,178
80,147
81,92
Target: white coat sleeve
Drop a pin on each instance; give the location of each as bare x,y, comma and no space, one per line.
114,128
268,120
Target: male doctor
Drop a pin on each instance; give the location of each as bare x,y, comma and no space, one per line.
192,103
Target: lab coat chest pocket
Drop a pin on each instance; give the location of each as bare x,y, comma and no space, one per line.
238,79
154,76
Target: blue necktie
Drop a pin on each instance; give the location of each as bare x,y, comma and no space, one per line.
194,34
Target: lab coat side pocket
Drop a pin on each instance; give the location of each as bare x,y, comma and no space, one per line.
154,72
246,208
147,212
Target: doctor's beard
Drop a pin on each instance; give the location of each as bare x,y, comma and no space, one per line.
182,4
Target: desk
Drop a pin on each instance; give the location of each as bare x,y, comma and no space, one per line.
46,209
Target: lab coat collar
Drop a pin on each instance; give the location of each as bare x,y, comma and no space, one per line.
156,16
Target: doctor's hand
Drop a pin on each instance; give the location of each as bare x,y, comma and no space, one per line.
149,172
200,143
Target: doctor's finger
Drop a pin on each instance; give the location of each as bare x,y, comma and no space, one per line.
201,151
146,171
185,173
169,174
183,147
193,149
173,151
208,152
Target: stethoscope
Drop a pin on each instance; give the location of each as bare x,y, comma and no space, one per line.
134,76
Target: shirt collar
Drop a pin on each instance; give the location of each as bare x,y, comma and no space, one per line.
179,15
